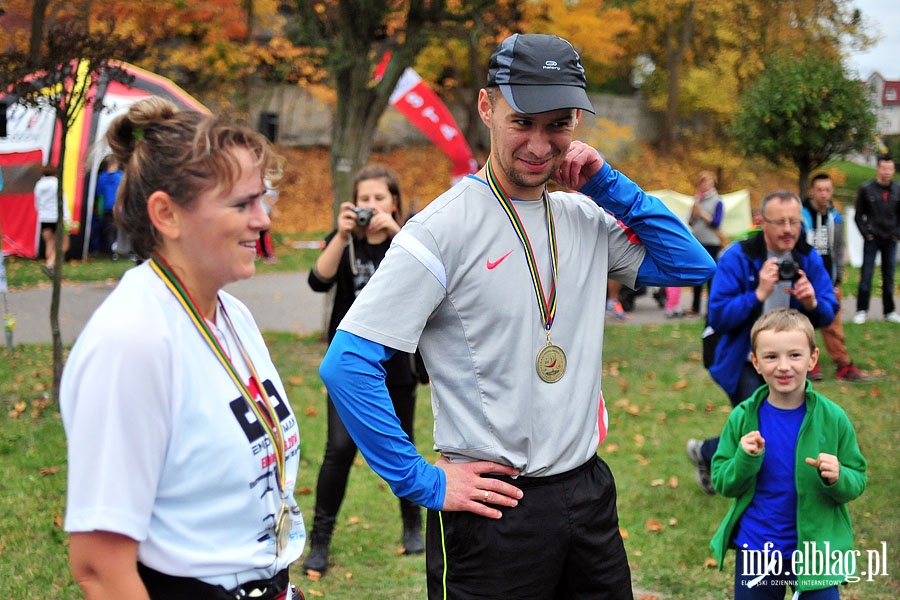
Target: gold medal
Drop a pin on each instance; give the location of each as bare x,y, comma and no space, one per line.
282,528
550,363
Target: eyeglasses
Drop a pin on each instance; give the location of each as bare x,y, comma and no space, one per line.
792,223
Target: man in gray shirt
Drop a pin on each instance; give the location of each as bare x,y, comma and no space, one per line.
502,285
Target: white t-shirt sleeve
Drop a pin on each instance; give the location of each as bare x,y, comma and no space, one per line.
412,279
115,403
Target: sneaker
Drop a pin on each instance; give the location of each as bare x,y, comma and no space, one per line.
893,317
860,317
701,472
849,373
674,314
615,307
815,374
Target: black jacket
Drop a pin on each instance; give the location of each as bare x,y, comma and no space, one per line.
878,210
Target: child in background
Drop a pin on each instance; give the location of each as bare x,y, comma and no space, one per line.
673,303
789,458
265,249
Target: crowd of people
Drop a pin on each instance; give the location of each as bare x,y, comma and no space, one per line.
183,448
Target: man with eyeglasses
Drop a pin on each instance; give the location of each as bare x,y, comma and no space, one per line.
775,268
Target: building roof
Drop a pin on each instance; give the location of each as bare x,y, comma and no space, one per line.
890,95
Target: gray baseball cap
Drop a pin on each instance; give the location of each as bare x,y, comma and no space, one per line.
537,73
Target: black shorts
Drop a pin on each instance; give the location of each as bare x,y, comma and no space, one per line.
561,542
45,226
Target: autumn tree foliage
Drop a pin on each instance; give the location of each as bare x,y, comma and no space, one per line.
599,31
351,38
804,111
58,75
217,49
705,54
456,58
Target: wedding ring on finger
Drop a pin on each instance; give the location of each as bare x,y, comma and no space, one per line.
485,496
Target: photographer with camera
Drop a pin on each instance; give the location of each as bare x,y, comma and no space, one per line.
352,253
775,268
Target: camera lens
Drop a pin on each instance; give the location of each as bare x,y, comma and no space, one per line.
788,270
363,216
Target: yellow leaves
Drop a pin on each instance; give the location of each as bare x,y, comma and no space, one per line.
672,482
596,31
654,526
38,405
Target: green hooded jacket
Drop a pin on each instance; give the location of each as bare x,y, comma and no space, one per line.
822,514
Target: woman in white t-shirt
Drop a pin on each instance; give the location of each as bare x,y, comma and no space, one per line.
45,203
182,447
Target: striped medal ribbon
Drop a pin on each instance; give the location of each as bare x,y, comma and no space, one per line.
550,362
265,414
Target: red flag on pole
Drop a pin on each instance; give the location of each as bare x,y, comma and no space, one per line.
424,109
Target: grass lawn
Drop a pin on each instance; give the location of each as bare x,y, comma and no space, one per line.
658,396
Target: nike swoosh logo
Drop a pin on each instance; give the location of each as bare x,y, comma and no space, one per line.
492,264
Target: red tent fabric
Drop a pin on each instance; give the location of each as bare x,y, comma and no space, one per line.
18,219
35,133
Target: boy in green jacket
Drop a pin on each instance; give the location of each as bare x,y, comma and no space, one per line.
789,458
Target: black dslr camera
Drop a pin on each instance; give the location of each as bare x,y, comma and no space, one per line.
363,216
788,270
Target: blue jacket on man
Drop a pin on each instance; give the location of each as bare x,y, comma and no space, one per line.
734,307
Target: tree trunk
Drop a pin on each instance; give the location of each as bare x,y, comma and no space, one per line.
350,146
38,15
57,269
357,112
675,50
803,183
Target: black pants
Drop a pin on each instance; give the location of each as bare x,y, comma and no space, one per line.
561,542
340,452
161,586
698,290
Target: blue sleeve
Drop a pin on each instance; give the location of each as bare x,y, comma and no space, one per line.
353,373
717,218
674,256
826,302
732,296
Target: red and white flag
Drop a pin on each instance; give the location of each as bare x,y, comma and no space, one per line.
424,109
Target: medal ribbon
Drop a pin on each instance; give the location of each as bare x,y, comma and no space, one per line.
546,305
267,418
